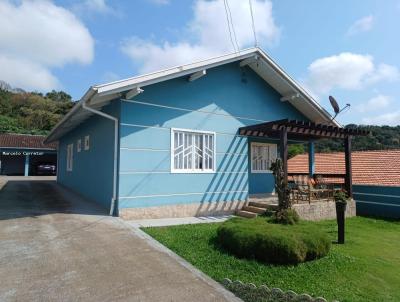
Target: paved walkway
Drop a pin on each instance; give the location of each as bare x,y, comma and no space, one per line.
55,246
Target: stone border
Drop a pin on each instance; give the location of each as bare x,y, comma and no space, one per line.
277,293
158,246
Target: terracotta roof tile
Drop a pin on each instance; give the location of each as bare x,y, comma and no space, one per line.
368,167
11,140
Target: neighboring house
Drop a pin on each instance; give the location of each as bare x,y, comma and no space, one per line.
21,154
166,144
376,177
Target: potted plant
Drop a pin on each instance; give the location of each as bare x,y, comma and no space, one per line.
341,204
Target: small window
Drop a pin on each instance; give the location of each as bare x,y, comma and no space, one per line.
79,145
87,142
262,156
70,156
192,151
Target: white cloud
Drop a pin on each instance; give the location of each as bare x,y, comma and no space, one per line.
36,36
94,6
361,25
390,119
26,74
347,71
207,35
376,103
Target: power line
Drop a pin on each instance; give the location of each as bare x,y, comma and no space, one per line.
229,25
233,27
252,23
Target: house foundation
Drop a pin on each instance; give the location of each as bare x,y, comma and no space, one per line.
182,210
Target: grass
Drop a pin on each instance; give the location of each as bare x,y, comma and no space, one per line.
366,268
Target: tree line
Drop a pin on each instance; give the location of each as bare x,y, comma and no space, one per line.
31,112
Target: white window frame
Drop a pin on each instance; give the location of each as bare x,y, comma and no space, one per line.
196,171
79,145
70,157
86,143
270,159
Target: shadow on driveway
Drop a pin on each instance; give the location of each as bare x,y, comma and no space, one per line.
35,196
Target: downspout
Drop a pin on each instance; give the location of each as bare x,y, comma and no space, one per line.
86,107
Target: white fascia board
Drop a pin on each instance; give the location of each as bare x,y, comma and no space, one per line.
89,93
171,73
296,87
197,75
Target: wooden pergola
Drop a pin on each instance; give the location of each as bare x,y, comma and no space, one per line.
286,129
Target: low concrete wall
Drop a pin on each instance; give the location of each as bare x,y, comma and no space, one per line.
322,210
182,210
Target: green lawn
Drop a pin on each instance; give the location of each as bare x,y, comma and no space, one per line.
366,268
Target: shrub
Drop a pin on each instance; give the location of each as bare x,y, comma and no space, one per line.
286,216
273,243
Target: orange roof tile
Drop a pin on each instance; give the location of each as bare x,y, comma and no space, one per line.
368,167
11,140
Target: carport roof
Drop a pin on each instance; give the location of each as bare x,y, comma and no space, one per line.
25,141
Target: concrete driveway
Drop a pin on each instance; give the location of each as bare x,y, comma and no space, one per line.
55,246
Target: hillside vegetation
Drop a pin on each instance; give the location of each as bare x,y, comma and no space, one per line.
32,112
380,138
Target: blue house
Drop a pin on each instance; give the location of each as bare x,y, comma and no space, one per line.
166,144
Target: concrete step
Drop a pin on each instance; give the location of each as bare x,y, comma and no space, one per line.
268,198
264,205
254,209
246,214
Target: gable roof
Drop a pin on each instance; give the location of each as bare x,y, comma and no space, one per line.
24,141
100,95
380,167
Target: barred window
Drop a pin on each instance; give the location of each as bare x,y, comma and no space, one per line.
193,151
262,156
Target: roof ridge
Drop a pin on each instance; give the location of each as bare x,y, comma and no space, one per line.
26,134
237,53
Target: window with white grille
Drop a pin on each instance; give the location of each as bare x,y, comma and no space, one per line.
70,156
262,156
192,151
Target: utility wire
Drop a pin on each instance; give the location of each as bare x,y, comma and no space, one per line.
229,25
233,27
252,23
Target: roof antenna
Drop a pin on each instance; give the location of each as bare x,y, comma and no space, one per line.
336,107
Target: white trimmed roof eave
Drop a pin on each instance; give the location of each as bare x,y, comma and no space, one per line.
99,95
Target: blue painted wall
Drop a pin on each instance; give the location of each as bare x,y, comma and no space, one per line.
227,98
92,173
380,201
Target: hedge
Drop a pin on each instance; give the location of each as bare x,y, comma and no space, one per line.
274,243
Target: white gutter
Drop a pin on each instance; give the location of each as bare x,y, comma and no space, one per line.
85,107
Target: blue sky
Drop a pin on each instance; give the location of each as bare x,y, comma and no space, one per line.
349,49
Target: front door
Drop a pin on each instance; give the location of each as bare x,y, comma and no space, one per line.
261,156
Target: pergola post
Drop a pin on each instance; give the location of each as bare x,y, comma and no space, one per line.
26,168
311,158
283,148
348,177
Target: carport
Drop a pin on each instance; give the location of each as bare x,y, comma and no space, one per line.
20,154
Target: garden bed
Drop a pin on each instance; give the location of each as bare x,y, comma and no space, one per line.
366,268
